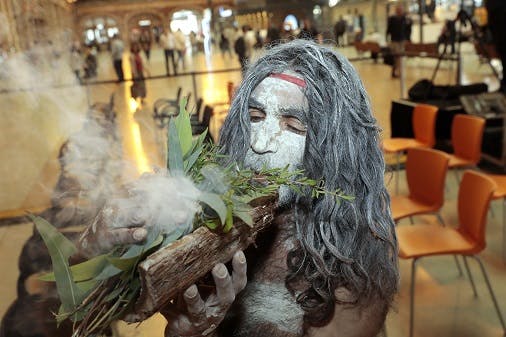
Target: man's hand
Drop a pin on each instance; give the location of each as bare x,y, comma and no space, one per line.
99,237
199,317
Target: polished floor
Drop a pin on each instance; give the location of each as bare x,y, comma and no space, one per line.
35,122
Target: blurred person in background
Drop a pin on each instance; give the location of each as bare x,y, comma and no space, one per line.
145,41
180,40
117,48
139,70
398,31
168,44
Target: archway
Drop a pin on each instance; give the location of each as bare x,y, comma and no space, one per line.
290,23
145,25
196,24
97,31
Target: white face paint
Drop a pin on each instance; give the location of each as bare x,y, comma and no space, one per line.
278,133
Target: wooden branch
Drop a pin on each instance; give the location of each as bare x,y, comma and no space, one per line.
182,263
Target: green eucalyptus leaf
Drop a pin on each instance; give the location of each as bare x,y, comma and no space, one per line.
229,222
214,201
89,269
108,272
88,285
61,315
175,155
242,211
214,179
253,195
60,249
211,224
202,137
134,254
82,271
123,264
47,277
184,128
190,161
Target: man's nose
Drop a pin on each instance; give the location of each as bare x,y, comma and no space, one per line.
265,139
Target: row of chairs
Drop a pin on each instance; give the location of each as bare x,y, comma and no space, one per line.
426,171
200,114
466,138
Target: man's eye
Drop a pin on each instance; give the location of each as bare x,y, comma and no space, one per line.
256,115
294,125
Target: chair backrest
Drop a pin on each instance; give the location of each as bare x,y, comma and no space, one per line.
208,113
424,123
475,193
426,172
178,94
467,134
198,108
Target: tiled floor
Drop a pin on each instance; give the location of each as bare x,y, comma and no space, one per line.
38,121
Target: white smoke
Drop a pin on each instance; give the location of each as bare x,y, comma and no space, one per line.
50,111
160,202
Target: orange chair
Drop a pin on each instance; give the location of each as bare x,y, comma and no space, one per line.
467,134
425,172
424,124
500,193
468,239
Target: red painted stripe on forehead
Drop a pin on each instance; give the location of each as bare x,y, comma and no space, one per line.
289,78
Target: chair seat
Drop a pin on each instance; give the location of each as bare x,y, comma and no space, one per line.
391,145
456,161
500,181
424,240
402,206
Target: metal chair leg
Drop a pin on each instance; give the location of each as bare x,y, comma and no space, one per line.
412,298
503,230
398,155
491,211
440,219
492,295
470,276
457,178
458,265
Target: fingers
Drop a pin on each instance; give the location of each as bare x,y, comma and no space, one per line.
125,236
239,277
195,306
224,287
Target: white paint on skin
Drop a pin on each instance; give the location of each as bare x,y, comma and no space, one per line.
273,142
272,303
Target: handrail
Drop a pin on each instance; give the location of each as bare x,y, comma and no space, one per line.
193,74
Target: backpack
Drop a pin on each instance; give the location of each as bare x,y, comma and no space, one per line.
240,46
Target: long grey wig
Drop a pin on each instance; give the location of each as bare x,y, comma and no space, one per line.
340,244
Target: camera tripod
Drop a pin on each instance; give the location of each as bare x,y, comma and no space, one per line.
463,18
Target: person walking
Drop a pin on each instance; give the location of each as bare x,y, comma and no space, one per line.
138,89
180,40
397,33
240,48
145,40
339,30
168,43
76,61
117,48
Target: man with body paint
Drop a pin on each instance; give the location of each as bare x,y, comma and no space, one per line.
325,268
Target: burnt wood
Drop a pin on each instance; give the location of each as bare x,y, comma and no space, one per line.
172,269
